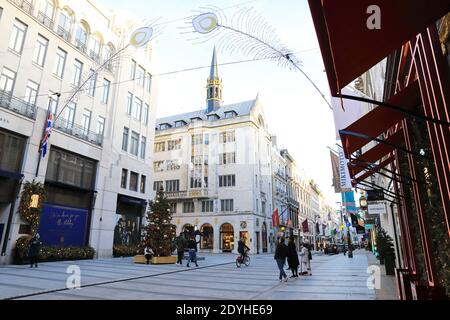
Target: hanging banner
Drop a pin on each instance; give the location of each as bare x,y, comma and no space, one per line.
344,175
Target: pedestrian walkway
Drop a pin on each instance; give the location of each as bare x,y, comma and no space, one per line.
334,277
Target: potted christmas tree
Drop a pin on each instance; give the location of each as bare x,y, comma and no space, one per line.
160,233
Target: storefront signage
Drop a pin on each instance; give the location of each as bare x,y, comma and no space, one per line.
63,226
376,208
375,195
295,232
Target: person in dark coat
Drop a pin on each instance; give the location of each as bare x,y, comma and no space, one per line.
192,245
281,253
35,248
292,257
181,244
242,248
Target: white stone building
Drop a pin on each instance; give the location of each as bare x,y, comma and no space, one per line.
98,165
214,166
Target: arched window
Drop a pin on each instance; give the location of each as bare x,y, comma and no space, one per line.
207,236
226,237
65,24
82,36
46,9
96,46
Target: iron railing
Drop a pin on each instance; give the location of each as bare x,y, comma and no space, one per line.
81,46
46,21
24,5
8,101
63,33
78,131
94,56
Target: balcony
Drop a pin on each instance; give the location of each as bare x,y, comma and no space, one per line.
78,131
94,56
24,5
189,194
8,101
46,21
81,46
63,33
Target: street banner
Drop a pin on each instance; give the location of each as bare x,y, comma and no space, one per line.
348,201
344,175
275,218
305,227
335,169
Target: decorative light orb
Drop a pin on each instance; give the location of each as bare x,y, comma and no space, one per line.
141,37
205,23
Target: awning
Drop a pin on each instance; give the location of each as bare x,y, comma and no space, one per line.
349,47
380,119
10,175
131,200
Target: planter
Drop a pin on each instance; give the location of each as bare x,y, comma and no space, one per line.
390,265
139,259
164,260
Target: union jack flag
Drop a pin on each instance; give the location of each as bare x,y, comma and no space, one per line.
47,133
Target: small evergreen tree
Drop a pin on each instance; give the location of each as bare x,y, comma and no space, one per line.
160,233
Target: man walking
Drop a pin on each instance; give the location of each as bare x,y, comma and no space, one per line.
192,245
280,257
181,244
35,248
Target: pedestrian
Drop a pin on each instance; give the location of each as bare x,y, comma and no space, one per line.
280,256
35,248
148,254
192,245
242,249
305,259
292,257
181,244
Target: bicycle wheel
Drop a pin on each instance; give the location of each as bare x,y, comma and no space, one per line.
238,262
247,261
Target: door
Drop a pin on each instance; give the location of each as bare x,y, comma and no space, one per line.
257,242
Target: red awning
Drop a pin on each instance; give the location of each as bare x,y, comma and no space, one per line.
349,47
380,119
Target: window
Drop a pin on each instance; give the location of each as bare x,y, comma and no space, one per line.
65,24
180,123
143,182
143,146
53,103
7,80
48,9
173,207
129,102
158,166
196,182
149,82
174,144
81,38
31,92
188,207
100,126
134,181
95,49
60,62
105,95
136,109
226,205
124,178
140,76
157,185
86,121
40,51
126,133
69,115
17,36
196,119
230,114
133,70
134,143
12,148
213,117
206,138
160,147
263,207
172,165
92,83
208,206
164,126
227,136
227,158
145,112
227,181
197,139
172,185
77,70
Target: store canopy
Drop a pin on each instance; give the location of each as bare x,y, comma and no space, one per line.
379,120
350,48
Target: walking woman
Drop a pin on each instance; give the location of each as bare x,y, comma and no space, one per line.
280,257
304,253
35,248
292,257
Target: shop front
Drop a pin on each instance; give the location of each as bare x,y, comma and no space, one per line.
226,237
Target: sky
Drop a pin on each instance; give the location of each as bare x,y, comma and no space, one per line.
295,111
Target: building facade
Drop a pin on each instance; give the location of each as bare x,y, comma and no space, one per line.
48,49
214,166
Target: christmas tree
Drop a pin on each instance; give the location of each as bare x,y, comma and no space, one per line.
160,233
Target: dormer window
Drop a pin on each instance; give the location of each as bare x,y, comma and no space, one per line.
230,114
164,126
196,119
180,123
213,117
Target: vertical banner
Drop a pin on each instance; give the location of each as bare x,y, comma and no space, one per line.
344,175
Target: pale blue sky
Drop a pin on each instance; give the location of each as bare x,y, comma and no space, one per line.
295,112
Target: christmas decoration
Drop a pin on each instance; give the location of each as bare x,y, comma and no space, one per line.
31,200
160,233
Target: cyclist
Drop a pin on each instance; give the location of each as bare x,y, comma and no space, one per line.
242,249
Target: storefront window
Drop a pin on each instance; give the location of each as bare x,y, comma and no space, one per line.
226,237
207,236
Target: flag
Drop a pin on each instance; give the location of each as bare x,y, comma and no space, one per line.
47,133
305,227
275,218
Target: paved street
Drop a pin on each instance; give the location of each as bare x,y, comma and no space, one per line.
334,277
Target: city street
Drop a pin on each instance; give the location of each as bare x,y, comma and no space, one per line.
334,278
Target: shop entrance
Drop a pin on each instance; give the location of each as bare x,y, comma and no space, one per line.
207,241
264,237
226,237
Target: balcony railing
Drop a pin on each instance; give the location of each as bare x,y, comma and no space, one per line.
81,46
189,194
78,131
46,21
94,56
8,101
24,5
63,33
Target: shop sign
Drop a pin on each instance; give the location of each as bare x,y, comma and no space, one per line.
295,232
376,208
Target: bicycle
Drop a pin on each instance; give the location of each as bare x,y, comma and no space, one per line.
246,261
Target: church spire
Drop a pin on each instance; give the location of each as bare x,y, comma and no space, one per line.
214,86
